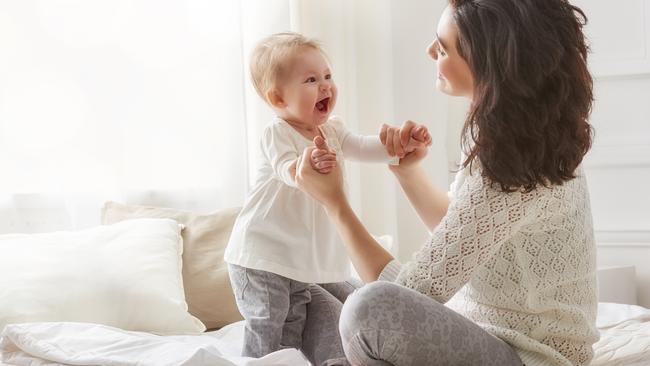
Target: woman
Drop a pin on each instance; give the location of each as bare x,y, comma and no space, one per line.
515,233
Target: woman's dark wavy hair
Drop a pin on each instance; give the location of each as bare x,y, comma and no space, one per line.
532,93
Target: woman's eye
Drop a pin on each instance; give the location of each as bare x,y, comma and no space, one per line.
441,52
311,80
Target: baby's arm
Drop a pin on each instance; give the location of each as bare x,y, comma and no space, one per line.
281,153
370,148
366,149
359,147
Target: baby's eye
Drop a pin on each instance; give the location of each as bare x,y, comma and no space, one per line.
328,76
310,79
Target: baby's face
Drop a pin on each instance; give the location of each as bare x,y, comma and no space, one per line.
309,90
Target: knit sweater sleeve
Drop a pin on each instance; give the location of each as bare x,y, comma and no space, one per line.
479,220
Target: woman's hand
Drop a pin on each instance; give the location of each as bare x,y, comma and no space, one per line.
323,159
325,188
368,257
410,143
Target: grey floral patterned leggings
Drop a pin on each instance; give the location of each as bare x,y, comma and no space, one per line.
383,323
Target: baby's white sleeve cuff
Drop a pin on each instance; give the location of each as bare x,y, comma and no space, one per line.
367,149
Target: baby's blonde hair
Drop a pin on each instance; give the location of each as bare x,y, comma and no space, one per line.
269,59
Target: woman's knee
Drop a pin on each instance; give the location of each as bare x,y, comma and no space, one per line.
364,314
360,308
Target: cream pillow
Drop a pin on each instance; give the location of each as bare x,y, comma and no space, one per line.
205,274
126,275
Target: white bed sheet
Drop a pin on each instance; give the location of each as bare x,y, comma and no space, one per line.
625,341
624,336
49,344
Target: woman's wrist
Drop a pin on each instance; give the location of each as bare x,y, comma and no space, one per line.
338,208
405,173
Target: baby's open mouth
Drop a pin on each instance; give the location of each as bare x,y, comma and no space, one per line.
323,105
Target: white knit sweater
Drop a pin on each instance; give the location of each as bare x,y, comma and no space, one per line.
526,263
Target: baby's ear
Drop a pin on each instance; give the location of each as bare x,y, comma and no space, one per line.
275,99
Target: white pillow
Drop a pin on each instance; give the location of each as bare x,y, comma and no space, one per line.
126,275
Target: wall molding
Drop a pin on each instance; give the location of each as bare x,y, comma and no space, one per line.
636,16
623,238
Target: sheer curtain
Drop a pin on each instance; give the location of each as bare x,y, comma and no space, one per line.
149,102
143,102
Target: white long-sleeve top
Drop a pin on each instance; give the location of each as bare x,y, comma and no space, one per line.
526,264
282,229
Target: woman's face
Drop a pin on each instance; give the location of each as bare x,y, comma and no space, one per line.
454,75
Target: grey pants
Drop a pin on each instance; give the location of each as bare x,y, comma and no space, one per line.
274,308
383,323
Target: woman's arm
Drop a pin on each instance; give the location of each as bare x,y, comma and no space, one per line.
429,202
367,256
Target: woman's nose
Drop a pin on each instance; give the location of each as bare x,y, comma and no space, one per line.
431,50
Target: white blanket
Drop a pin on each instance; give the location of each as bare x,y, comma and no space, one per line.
624,336
49,344
625,341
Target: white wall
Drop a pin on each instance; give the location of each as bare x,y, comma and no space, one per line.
416,98
618,167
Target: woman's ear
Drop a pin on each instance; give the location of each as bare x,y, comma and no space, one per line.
275,99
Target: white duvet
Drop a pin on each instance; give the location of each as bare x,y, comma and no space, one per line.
624,336
625,341
49,344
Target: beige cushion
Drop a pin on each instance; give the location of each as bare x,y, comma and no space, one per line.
205,275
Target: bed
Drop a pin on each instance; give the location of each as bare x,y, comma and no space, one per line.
625,340
193,274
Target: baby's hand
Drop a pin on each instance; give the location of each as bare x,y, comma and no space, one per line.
419,138
323,160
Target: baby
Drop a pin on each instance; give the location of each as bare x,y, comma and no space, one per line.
283,241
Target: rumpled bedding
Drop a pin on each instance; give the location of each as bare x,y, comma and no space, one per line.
625,341
624,336
49,344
